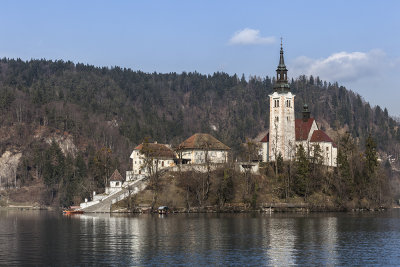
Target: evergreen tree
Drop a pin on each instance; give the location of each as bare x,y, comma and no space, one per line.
53,168
302,177
371,157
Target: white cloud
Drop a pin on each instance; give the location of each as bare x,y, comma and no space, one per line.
343,66
372,74
249,36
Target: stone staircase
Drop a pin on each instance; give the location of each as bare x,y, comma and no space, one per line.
104,205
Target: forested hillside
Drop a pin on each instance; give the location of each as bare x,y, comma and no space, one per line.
107,111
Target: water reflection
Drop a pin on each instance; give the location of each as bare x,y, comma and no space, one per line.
47,238
281,242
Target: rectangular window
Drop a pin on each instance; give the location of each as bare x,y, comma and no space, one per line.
276,103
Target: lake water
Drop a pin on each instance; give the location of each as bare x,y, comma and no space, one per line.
49,238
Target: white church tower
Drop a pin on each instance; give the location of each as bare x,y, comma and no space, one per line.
281,116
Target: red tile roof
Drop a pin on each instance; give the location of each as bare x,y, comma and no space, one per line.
321,136
156,150
265,139
203,141
303,128
116,176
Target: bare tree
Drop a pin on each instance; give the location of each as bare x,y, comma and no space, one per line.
250,155
206,180
274,144
131,197
291,148
150,165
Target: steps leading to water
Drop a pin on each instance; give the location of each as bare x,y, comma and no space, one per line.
104,205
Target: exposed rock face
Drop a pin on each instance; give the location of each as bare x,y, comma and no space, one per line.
8,168
63,139
65,142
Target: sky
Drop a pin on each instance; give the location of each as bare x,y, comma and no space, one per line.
354,43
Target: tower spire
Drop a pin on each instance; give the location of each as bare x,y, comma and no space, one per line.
281,59
281,74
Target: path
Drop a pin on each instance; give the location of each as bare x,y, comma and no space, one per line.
105,204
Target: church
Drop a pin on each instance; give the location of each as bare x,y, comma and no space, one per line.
286,132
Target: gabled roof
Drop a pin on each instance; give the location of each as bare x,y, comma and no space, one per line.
116,176
265,139
321,136
155,150
203,141
303,128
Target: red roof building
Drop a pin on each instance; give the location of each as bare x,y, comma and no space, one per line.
308,135
302,128
155,150
203,141
202,147
265,139
321,136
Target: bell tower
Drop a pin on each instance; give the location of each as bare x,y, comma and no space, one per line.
281,116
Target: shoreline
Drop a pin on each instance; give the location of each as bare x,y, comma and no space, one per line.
279,208
26,207
291,209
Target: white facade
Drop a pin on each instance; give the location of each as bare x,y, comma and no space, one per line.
248,167
282,136
198,156
328,152
285,132
328,148
139,162
116,184
264,151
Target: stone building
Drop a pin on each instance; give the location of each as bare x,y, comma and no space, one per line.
150,157
200,148
286,133
281,118
116,182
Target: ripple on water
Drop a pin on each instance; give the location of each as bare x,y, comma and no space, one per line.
200,239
